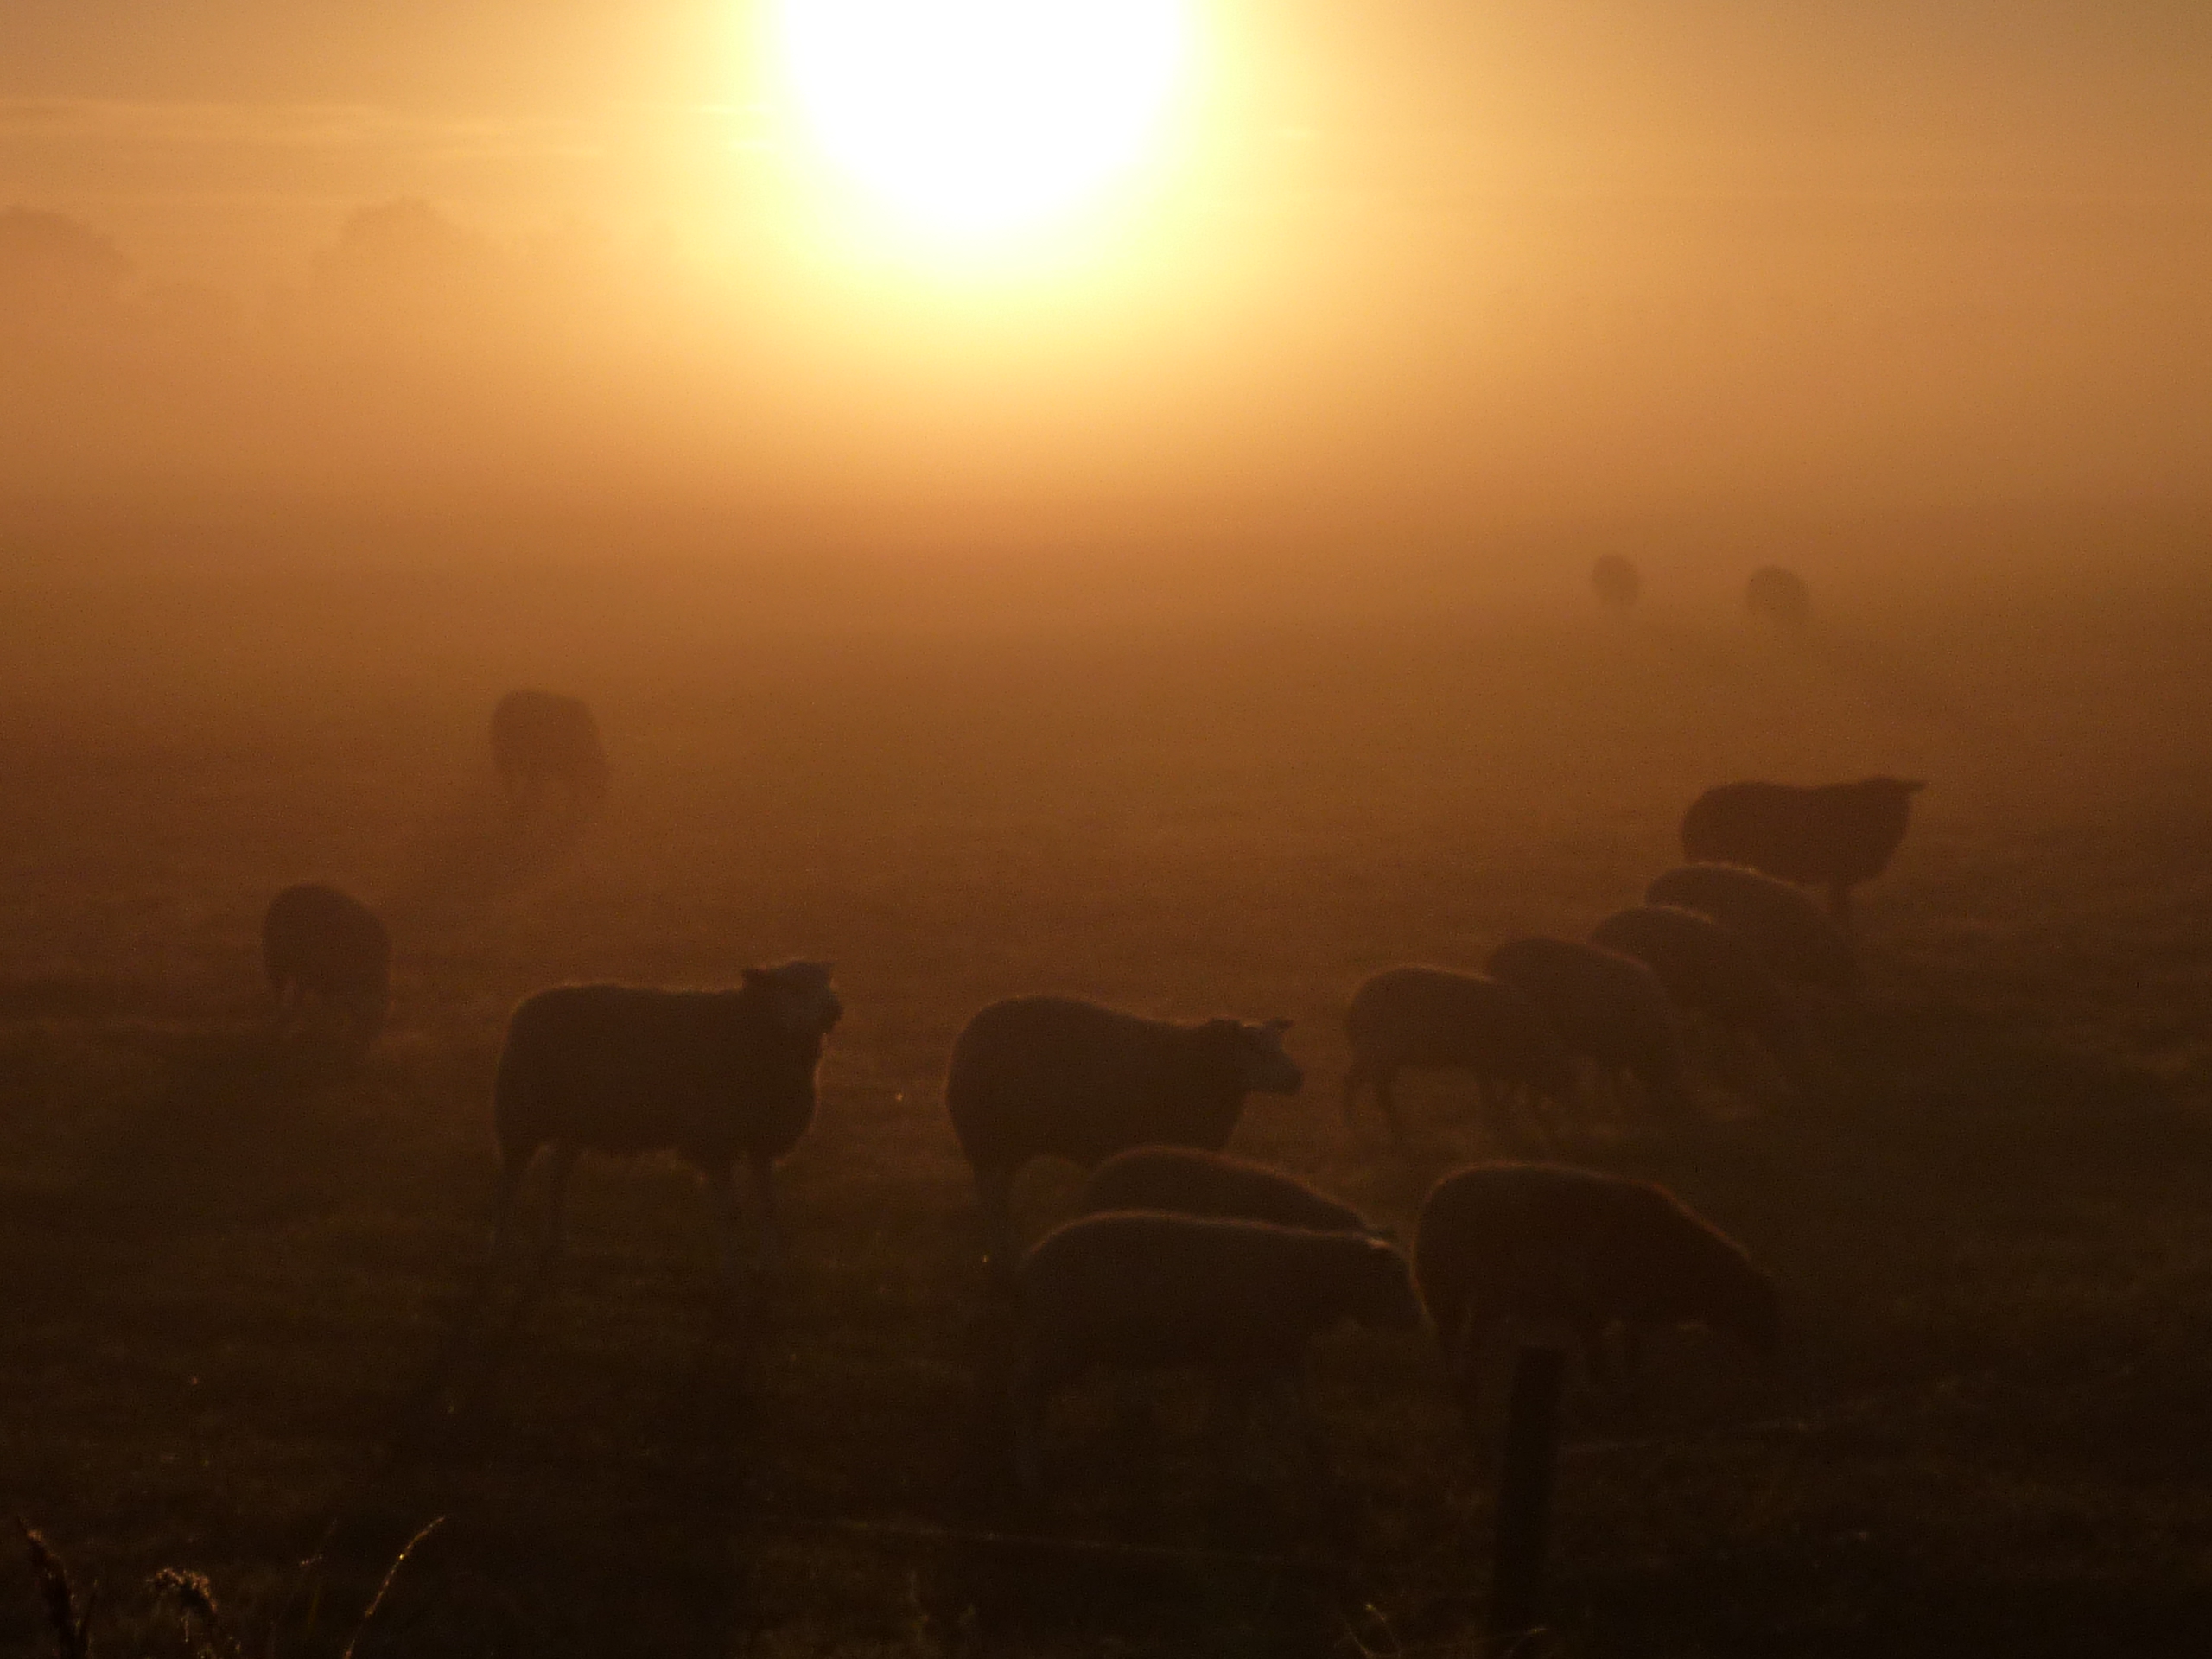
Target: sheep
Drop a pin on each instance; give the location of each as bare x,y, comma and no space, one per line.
710,1075
1245,1299
317,941
1188,1182
1617,582
1545,1242
1778,596
1798,939
1712,970
1434,1017
1835,836
1037,1077
1606,1005
542,737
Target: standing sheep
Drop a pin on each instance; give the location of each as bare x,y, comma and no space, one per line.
1037,1077
1711,970
541,738
710,1075
318,942
1798,939
1835,836
1545,1243
1617,582
1245,1299
1188,1182
1606,1005
1434,1017
1778,596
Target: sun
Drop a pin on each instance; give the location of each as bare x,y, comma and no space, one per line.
975,117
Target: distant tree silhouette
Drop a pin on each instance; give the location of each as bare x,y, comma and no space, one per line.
1617,582
1778,596
55,266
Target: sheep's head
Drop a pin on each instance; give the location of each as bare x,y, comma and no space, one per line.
1262,1067
798,996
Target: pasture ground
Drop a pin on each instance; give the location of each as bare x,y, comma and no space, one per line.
230,1264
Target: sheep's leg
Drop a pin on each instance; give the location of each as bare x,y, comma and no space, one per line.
764,1202
721,1209
1463,1346
514,1167
557,1204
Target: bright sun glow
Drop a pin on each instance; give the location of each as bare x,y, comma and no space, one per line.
975,116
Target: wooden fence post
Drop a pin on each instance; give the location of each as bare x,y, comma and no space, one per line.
1524,1497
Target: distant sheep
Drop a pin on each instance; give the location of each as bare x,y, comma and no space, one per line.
1188,1182
1417,1016
712,1076
1606,1005
1711,970
1799,941
542,738
1835,836
1549,1244
318,942
1617,582
1779,596
1037,1077
1137,1289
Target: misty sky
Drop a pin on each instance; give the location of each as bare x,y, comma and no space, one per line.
1417,249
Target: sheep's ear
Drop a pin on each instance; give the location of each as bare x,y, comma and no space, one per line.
1278,1026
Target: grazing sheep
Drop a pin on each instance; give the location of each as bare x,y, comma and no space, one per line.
317,941
710,1075
1606,1005
540,738
1617,582
1188,1182
1434,1017
1779,596
1711,970
1039,1077
1543,1243
1835,836
1245,1299
1797,938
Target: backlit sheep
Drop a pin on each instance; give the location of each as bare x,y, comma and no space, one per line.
1606,1005
1188,1182
1553,1245
712,1076
1712,971
1797,940
318,942
1244,1299
1424,1017
542,738
1835,836
1037,1077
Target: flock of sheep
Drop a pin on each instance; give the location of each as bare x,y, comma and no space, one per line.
1180,1254
1774,595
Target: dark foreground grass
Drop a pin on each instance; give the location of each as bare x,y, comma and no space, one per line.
234,1268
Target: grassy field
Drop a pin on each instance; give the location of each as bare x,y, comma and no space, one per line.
231,1265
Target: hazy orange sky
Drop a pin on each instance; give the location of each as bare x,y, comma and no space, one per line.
1415,251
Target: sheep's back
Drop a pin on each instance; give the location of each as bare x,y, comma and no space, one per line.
1041,1074
627,1068
1186,1181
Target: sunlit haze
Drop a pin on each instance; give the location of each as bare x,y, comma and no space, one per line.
974,117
